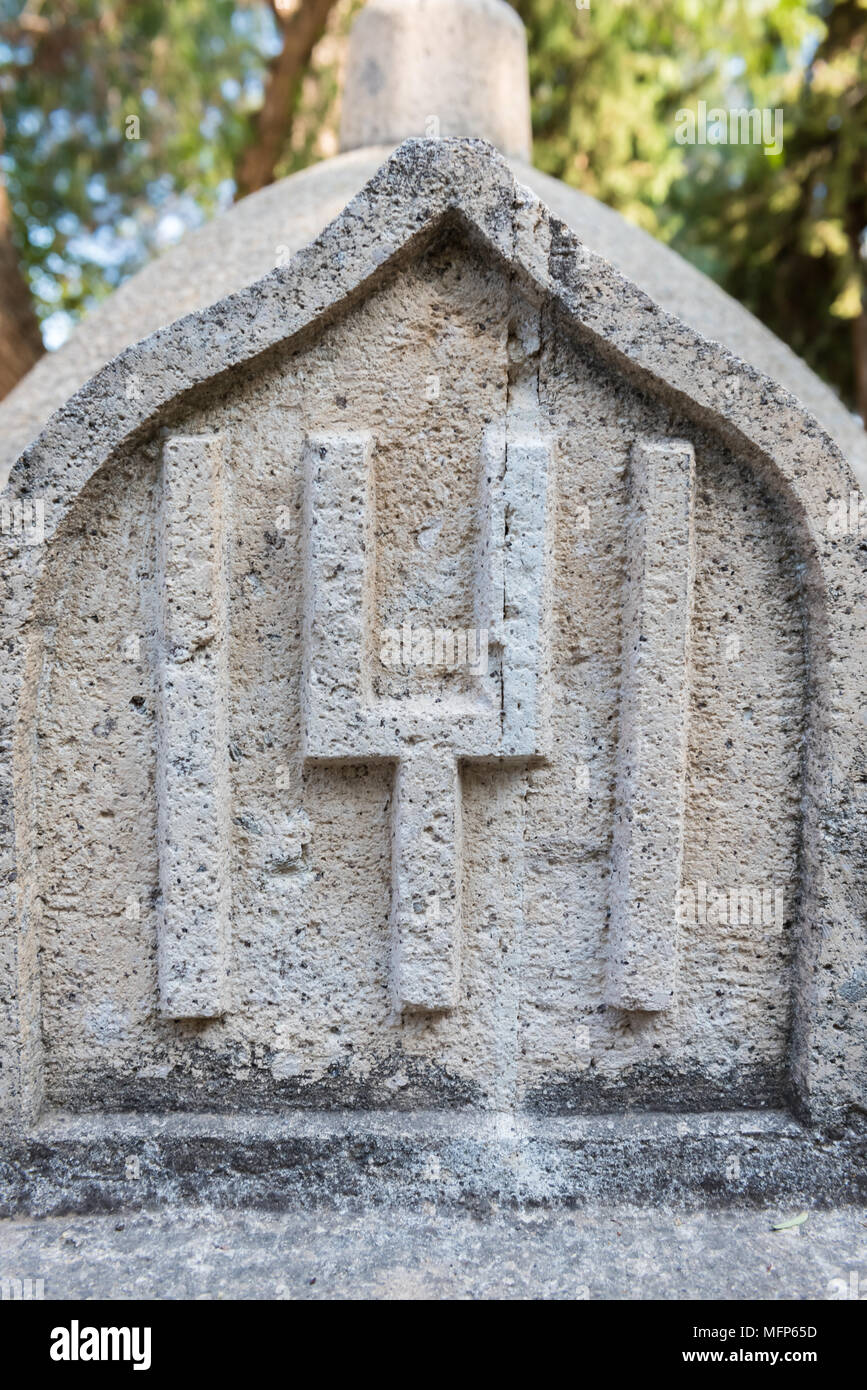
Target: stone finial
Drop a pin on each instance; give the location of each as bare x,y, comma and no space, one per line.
437,67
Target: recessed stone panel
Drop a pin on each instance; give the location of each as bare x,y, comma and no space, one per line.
438,572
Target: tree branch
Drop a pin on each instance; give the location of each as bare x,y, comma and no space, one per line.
301,31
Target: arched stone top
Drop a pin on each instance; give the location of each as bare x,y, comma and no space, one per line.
421,185
242,245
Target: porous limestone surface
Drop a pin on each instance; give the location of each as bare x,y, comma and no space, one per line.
420,1252
268,228
432,420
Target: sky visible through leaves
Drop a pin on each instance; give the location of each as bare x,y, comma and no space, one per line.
785,233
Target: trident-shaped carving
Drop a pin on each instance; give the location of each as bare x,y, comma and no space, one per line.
344,721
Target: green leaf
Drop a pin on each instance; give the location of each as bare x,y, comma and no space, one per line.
792,1222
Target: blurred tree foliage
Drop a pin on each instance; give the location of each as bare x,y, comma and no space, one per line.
110,113
788,236
785,234
222,108
129,121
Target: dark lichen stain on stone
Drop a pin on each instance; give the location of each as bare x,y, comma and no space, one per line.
662,1087
214,1083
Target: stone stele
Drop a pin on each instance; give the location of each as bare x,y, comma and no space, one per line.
434,746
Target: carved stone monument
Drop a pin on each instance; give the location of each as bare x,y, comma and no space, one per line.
434,752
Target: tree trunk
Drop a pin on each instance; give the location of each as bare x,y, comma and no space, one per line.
859,361
302,30
20,339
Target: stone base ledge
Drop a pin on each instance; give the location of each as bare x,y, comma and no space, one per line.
90,1163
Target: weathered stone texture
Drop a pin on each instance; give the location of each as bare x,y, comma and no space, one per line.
445,415
647,839
193,810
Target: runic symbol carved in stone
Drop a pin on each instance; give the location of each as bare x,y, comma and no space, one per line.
344,721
